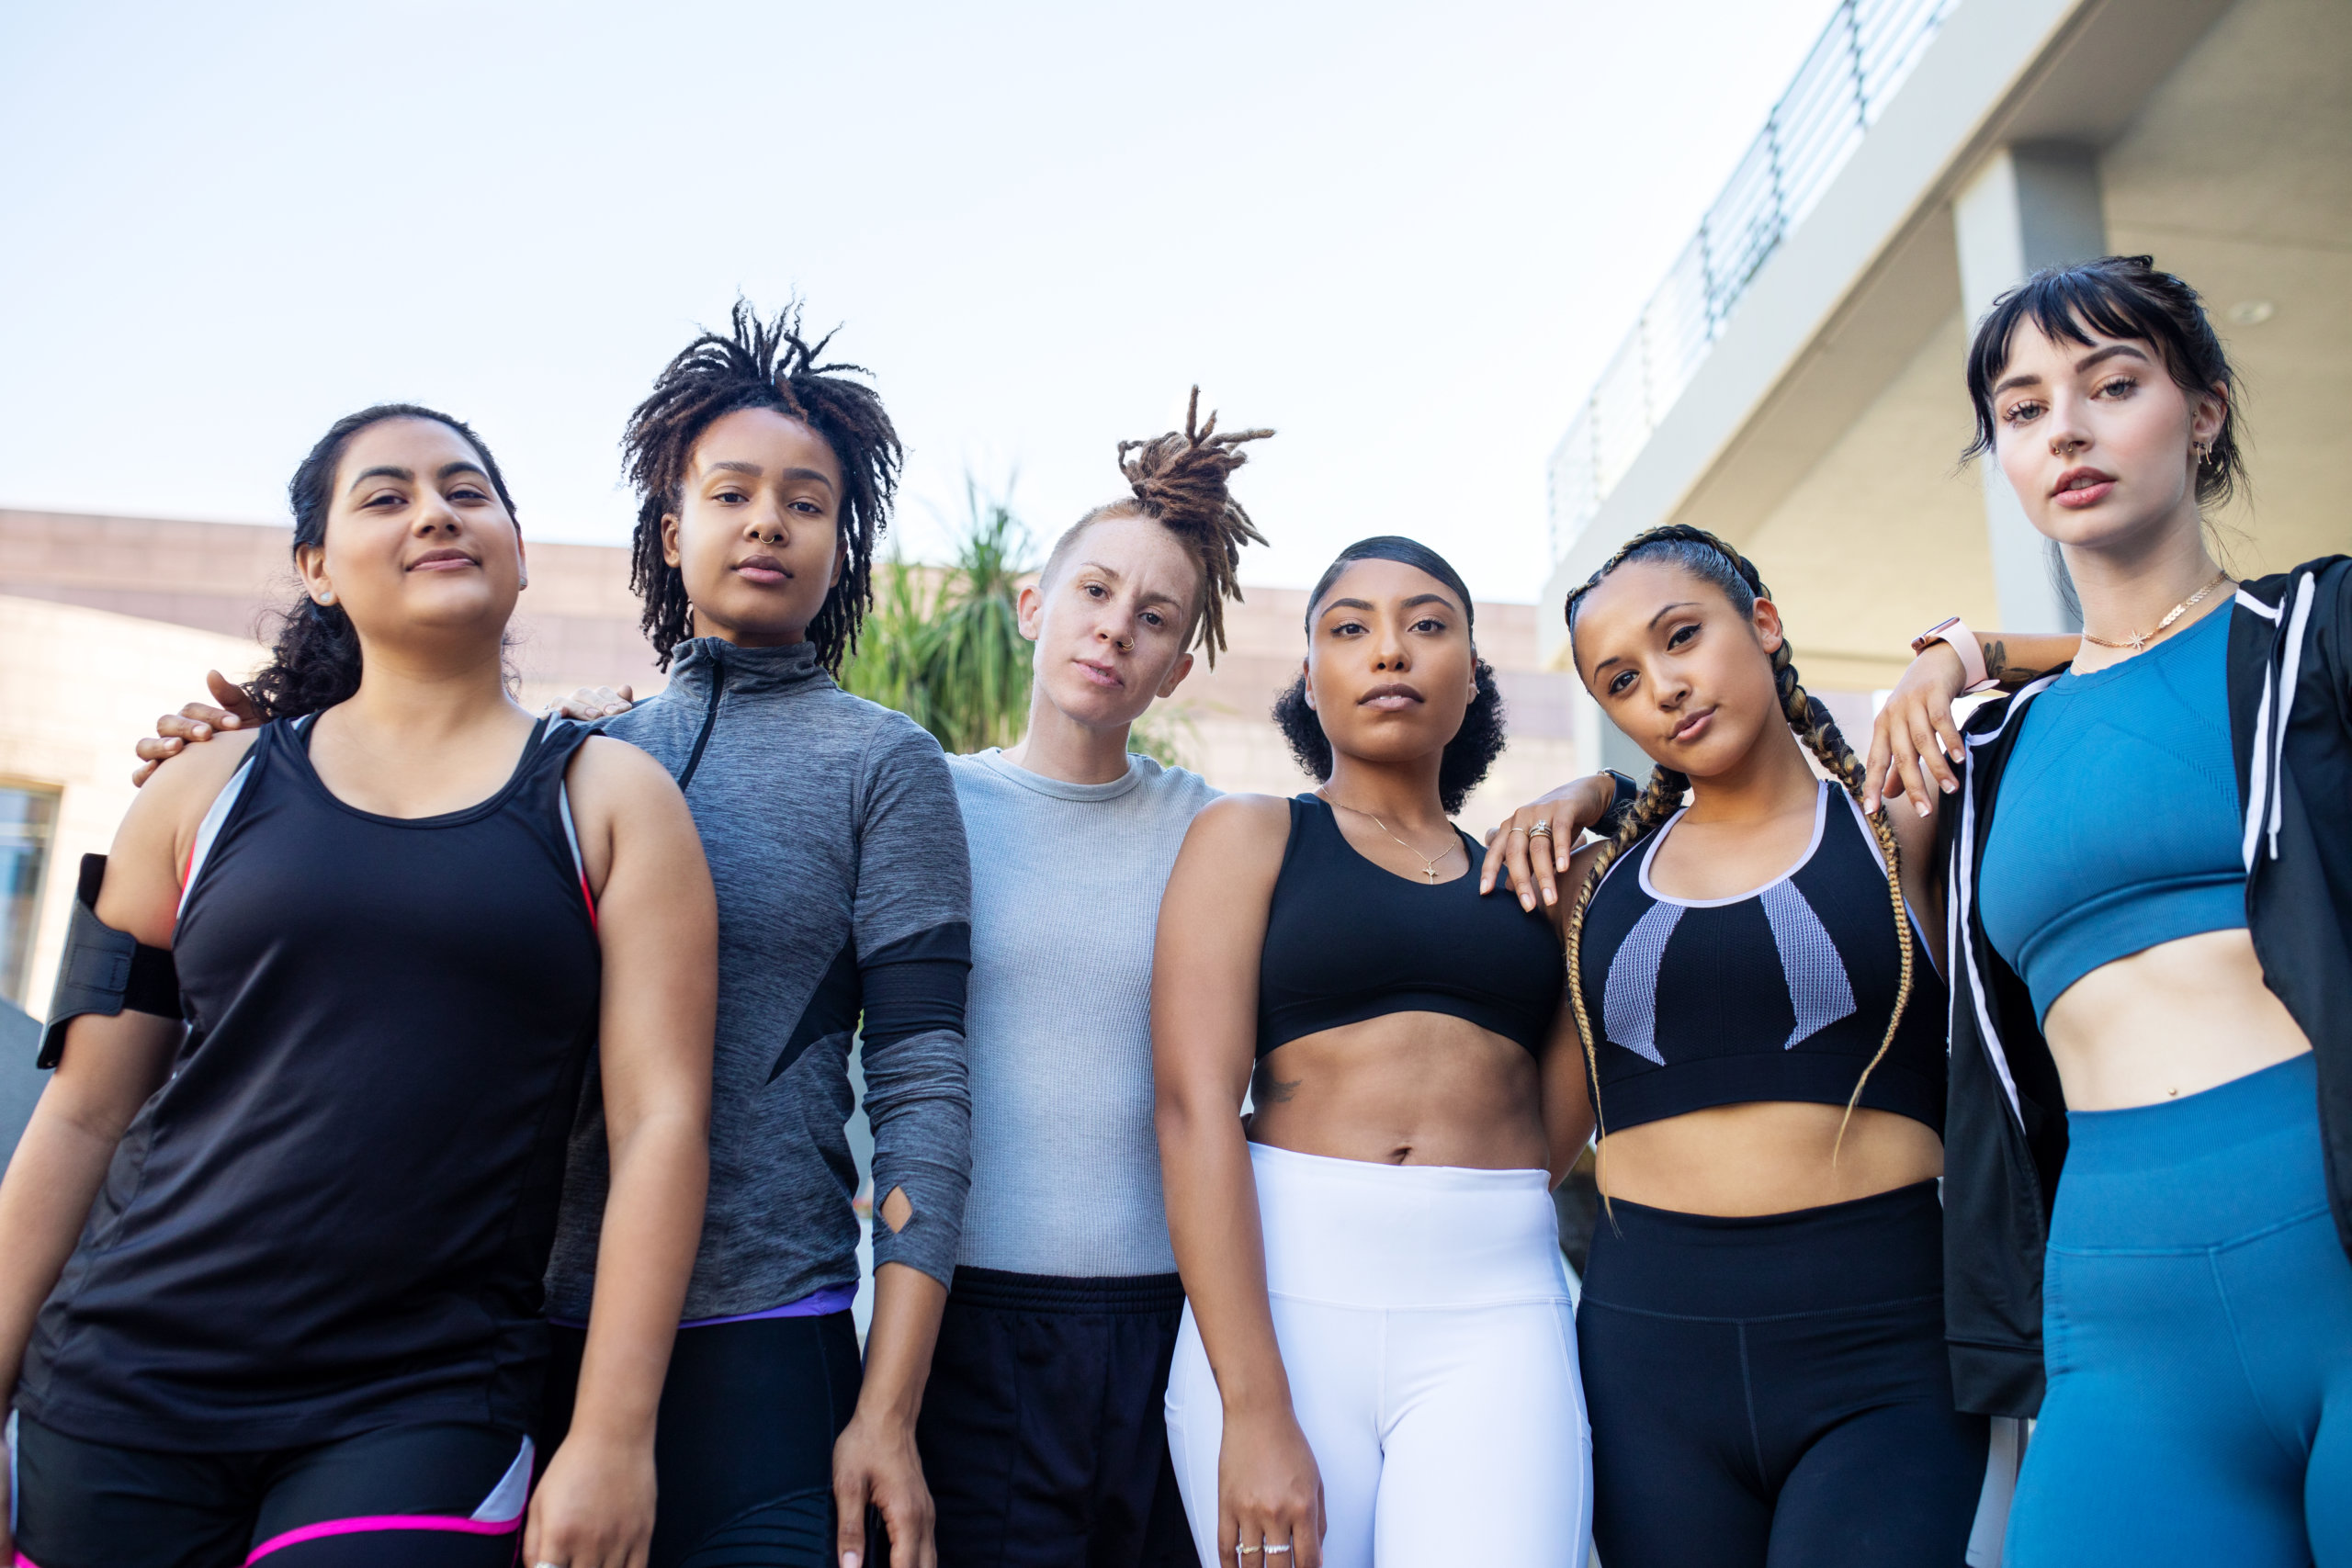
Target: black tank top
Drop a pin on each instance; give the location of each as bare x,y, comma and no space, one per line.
1347,941
335,1213
1778,994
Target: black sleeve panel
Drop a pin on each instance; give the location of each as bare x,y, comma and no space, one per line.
916,985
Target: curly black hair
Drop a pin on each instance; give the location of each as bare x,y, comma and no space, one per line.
1474,746
761,365
315,662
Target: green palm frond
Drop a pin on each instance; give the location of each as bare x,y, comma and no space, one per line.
944,645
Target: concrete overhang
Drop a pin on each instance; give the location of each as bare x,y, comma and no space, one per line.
1871,274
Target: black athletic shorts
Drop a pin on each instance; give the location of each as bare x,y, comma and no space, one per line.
1044,1430
422,1496
743,1445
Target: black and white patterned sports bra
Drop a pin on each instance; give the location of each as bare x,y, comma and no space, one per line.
1778,994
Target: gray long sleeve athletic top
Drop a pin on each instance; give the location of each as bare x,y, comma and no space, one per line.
837,850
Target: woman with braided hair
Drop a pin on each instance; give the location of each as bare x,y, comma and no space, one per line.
1763,1042
1377,1363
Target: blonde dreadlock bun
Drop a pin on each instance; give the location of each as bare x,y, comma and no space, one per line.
1179,480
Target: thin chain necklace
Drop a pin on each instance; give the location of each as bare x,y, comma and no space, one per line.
2139,640
1429,866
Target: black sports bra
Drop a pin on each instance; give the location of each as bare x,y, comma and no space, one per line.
1347,941
1778,994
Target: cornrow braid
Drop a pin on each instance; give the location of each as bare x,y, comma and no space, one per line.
1712,558
760,365
1180,482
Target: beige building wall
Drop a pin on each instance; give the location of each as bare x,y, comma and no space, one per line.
83,684
1887,521
2237,175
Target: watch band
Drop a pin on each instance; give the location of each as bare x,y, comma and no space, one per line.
1954,634
1628,792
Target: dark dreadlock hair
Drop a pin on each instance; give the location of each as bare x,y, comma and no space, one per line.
1179,481
760,365
314,663
2119,297
1474,746
1711,559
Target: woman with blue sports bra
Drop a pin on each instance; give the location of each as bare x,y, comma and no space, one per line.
2150,1124
1762,1319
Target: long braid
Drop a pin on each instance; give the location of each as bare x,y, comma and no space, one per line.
1657,802
1812,725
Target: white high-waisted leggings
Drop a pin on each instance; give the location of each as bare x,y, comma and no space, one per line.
1425,1324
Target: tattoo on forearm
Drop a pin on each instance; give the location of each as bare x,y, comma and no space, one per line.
1997,666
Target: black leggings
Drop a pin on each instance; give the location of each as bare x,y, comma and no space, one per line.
423,1496
1774,1391
743,1444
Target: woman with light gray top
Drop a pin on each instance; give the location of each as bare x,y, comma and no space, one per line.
1041,1431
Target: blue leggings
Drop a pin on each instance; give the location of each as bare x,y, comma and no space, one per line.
2197,1323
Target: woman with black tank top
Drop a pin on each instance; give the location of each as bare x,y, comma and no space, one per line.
1762,1309
1377,1362
301,1323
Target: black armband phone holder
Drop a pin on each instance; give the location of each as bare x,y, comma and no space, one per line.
104,970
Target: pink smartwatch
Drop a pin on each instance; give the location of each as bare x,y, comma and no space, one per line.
1954,634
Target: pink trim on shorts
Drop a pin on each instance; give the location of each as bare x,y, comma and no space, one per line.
367,1522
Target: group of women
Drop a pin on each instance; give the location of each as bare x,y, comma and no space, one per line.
2004,1075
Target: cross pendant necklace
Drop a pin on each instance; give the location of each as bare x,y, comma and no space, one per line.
1429,866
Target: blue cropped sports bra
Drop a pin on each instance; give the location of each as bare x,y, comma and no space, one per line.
2116,827
1348,941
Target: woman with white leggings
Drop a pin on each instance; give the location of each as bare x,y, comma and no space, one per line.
1377,1363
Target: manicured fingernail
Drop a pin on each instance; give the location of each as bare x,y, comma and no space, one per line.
201,731
1551,896
1952,786
849,1560
1526,903
1922,806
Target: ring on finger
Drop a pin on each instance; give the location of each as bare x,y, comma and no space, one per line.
1541,830
1251,1551
1272,1550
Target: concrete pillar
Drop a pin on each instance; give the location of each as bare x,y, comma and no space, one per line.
2028,206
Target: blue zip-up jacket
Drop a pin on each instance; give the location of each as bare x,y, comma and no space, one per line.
2005,1134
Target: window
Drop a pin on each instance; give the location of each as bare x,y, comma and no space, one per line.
27,821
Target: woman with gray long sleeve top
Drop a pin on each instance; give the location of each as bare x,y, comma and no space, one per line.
844,893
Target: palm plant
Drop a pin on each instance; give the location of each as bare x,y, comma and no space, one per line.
943,646
979,664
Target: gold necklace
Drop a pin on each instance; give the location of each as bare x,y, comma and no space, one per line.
2139,640
1429,866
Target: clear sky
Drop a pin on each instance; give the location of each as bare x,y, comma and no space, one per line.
1407,236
